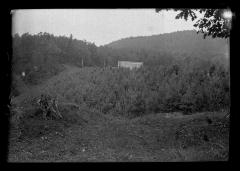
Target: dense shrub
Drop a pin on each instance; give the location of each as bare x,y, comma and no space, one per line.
168,82
17,85
148,90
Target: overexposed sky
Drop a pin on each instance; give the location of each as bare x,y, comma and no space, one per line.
100,26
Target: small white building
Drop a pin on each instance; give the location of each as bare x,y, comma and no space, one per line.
130,65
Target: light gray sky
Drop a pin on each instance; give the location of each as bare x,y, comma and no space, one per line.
100,26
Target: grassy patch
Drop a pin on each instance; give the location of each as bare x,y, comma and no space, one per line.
100,130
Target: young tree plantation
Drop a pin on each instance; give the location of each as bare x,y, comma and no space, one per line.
170,109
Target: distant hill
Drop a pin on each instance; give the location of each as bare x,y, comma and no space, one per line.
181,42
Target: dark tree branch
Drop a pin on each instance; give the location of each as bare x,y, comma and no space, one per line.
211,24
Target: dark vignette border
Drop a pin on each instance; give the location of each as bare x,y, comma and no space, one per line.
6,54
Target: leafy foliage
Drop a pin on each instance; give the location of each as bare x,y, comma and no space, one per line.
211,24
168,82
131,93
40,56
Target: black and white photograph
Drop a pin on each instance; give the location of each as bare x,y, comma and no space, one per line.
120,85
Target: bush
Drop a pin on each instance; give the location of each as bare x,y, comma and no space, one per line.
137,92
147,90
45,71
17,85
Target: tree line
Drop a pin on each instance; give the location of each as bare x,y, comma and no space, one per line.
167,82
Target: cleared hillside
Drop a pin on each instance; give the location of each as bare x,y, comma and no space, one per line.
88,135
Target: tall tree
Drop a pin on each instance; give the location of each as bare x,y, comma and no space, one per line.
215,22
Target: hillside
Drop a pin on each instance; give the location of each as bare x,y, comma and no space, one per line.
172,109
86,134
41,56
181,42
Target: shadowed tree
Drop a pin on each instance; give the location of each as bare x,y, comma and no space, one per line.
214,22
